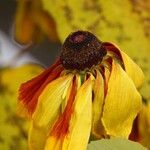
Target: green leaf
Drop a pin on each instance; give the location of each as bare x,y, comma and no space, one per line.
115,144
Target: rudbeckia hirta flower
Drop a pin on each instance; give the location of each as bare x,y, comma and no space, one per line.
32,23
90,90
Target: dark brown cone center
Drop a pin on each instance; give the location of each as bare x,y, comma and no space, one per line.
78,38
81,50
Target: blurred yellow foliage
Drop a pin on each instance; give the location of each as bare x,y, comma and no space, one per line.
32,23
127,23
13,129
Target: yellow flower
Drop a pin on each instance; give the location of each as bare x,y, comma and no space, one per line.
141,127
90,90
32,22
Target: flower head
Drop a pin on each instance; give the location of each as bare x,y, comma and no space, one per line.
31,20
90,90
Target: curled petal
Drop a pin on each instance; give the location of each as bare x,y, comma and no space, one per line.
132,69
80,123
122,103
97,106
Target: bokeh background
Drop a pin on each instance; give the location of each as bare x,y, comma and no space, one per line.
40,53
126,23
13,129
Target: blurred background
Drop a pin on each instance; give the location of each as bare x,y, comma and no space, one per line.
31,34
9,47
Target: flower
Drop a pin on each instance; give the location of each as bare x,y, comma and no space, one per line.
141,127
32,22
90,90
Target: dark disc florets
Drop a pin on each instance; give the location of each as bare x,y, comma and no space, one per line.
81,50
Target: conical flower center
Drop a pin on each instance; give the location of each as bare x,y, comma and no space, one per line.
81,50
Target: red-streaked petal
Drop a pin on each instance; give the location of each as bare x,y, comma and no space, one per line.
30,91
60,128
48,110
80,123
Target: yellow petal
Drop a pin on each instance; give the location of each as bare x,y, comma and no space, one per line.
80,124
53,143
144,125
48,109
67,92
131,68
37,137
97,106
107,75
122,103
65,96
50,101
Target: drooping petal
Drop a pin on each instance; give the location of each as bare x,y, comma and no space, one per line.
132,69
61,126
50,101
30,90
48,109
97,106
80,123
122,103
